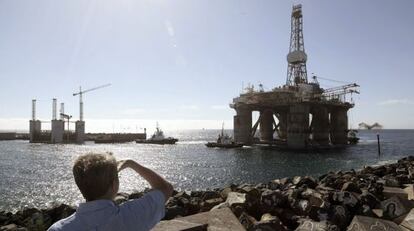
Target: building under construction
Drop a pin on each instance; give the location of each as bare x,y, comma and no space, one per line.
300,114
57,134
60,128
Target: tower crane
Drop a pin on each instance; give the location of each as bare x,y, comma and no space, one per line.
80,93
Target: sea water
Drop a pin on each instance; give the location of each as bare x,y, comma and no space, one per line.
40,175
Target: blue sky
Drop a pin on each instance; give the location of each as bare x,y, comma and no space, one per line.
181,62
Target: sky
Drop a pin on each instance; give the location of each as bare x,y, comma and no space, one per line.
182,62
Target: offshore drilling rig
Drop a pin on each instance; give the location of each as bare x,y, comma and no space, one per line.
299,114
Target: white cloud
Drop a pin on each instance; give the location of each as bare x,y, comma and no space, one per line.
396,102
220,107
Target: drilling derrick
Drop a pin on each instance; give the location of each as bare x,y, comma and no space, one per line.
297,57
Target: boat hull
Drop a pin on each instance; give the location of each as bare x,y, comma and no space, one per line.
353,140
165,141
218,145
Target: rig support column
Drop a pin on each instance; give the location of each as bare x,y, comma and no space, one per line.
243,125
283,121
80,131
320,125
339,126
298,126
266,125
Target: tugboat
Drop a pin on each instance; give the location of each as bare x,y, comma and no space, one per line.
224,141
352,137
158,138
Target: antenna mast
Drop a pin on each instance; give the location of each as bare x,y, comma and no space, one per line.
297,57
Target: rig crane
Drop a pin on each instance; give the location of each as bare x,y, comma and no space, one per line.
337,92
80,93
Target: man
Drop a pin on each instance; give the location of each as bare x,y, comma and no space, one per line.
96,176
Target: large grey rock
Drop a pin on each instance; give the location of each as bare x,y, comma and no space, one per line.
310,225
234,198
10,227
270,199
340,216
268,223
209,204
362,223
178,225
408,221
345,198
389,192
218,220
351,187
395,207
306,180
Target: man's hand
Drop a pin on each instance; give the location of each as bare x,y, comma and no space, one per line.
156,181
122,164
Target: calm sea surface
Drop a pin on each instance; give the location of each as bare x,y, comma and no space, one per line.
39,175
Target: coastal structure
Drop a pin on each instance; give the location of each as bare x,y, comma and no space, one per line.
299,114
57,134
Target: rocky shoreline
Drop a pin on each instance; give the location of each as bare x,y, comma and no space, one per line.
334,201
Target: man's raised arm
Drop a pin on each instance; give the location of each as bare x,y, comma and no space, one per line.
155,180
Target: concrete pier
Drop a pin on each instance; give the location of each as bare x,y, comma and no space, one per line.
35,128
80,131
57,131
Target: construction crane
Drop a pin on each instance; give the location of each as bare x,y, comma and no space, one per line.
80,93
336,92
68,117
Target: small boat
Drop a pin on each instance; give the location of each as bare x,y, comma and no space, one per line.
352,137
224,141
157,138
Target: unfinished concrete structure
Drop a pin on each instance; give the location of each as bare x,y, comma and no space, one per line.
298,115
57,134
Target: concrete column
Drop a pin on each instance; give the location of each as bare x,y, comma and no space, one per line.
80,132
339,126
283,121
57,131
242,125
266,125
298,126
34,130
320,125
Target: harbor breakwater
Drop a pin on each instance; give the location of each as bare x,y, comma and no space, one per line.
332,201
